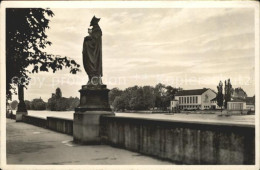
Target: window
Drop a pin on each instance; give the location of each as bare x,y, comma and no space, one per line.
191,100
196,99
184,99
188,100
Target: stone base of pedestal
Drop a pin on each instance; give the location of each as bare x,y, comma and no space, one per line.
86,126
93,104
19,116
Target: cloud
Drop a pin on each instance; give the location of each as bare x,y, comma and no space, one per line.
170,42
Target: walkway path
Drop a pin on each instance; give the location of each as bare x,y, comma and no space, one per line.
28,144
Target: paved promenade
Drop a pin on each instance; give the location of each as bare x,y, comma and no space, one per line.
28,144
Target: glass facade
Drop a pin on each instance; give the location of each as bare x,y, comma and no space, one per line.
188,100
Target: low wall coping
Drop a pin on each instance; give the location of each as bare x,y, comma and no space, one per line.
67,119
34,117
219,124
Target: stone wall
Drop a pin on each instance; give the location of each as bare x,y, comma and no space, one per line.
41,122
177,141
182,142
60,125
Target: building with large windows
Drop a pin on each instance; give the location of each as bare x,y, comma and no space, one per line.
195,99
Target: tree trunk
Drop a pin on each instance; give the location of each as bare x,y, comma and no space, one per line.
21,105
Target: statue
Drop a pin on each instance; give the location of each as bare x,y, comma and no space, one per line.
93,95
92,53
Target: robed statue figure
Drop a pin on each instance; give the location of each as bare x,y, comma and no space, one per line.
92,53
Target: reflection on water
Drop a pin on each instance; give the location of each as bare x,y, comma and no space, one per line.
245,119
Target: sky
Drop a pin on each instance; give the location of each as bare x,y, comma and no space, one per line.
183,47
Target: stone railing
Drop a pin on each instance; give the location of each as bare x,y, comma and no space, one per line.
53,123
177,141
60,125
37,121
182,142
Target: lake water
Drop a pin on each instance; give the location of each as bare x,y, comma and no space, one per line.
240,119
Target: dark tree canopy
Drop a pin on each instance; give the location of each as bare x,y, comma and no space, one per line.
228,92
220,98
37,104
58,93
14,104
142,97
113,94
25,41
59,103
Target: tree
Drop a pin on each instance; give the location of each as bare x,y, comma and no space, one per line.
25,41
119,103
137,99
163,95
169,95
228,92
239,93
113,94
59,103
220,95
73,103
14,104
58,93
62,104
148,96
38,104
159,92
28,104
142,98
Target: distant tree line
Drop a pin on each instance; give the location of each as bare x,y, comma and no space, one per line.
55,103
35,104
142,97
59,103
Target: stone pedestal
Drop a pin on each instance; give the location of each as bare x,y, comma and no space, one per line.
93,104
19,116
21,111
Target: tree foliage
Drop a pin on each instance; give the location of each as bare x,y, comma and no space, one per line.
25,41
142,98
38,104
220,98
28,104
239,93
59,103
228,92
58,93
35,104
113,94
14,104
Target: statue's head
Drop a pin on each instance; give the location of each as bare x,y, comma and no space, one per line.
89,31
94,21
